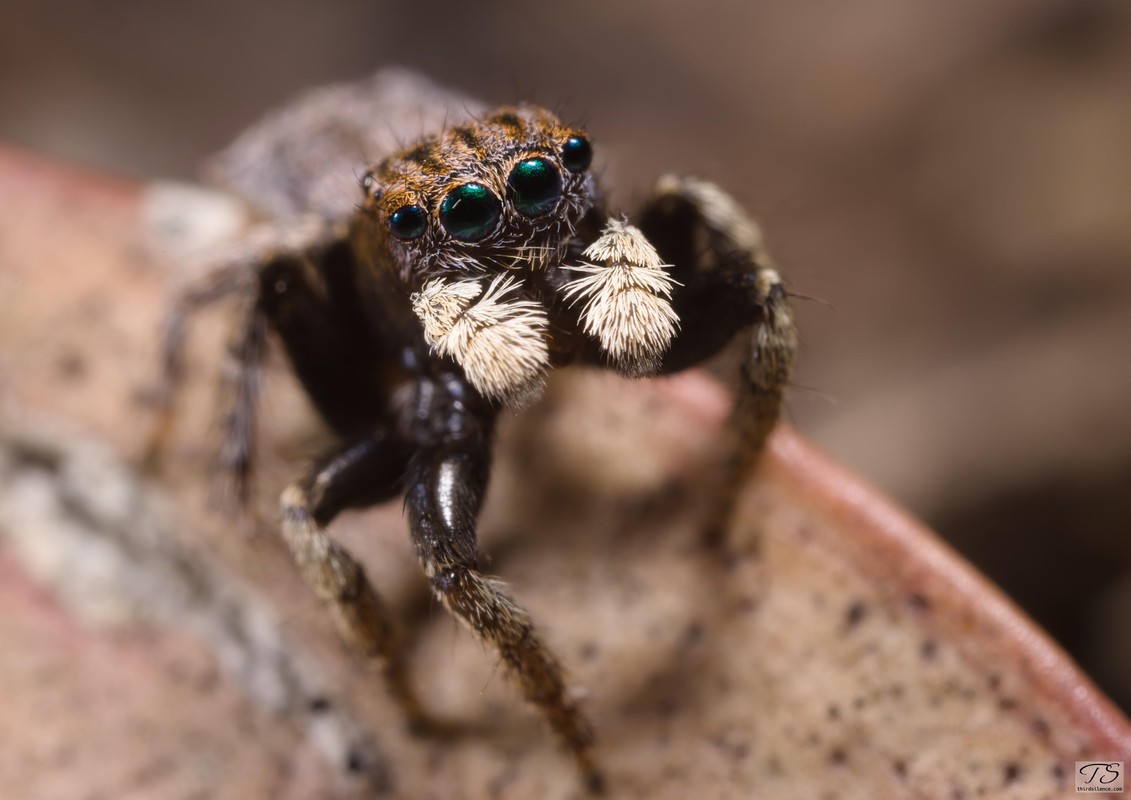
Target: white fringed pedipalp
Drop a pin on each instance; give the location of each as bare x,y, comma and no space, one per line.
627,293
500,341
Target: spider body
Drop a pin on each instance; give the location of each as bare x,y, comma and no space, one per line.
466,266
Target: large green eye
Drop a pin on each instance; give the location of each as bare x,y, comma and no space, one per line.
577,154
408,222
470,212
535,186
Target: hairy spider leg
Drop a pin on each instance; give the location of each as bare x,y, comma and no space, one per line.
257,267
445,490
239,395
227,278
443,466
310,301
360,474
727,284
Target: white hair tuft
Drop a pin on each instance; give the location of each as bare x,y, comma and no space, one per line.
627,296
500,342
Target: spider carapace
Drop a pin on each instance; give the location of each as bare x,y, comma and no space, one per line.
463,269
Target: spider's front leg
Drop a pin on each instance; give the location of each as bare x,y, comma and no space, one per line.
446,483
727,286
362,474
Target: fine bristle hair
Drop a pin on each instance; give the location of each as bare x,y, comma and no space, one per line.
440,303
499,341
627,294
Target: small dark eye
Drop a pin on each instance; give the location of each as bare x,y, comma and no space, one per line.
408,222
470,212
535,186
577,154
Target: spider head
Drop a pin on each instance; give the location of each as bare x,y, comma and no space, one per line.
504,193
471,218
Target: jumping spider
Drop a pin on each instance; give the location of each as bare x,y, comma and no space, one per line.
465,267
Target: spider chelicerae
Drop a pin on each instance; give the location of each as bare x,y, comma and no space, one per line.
418,301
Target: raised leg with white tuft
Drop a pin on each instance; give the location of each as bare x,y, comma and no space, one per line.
726,286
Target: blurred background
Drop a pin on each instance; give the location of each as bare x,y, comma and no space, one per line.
950,181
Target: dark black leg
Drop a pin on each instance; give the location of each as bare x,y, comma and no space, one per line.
299,283
445,488
728,284
364,473
325,336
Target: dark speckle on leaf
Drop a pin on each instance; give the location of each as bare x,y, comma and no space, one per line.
354,761
855,615
318,705
71,366
929,650
919,602
1012,772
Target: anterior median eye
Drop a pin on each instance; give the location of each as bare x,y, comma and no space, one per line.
577,154
535,186
408,222
470,212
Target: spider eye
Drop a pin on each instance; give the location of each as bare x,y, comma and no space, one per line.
408,222
577,154
534,186
470,212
